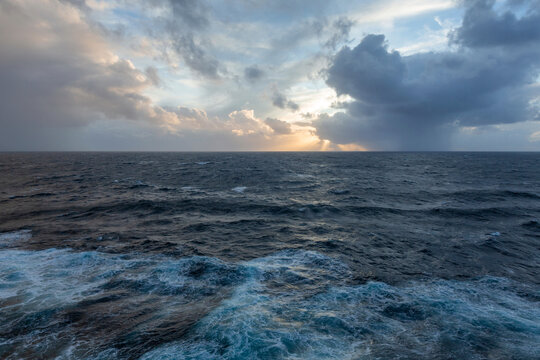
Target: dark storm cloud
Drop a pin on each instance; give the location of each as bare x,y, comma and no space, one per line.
414,102
482,26
281,101
278,126
368,71
253,73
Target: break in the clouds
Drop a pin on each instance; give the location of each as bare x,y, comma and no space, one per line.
242,75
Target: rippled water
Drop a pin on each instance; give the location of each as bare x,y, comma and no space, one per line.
270,256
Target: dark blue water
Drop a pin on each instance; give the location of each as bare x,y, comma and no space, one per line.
270,256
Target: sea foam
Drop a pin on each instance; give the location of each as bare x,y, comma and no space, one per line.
55,302
295,306
290,305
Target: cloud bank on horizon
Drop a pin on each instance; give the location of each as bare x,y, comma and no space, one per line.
271,75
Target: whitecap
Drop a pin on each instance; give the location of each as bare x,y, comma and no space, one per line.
239,189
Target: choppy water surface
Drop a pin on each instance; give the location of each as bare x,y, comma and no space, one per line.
270,256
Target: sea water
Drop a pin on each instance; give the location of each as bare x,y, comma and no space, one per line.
270,256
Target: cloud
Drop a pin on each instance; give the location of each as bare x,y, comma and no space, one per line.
535,136
279,126
329,34
59,74
244,122
483,27
70,68
297,33
277,10
152,75
417,101
341,29
183,118
368,72
194,55
55,69
181,26
189,13
279,100
253,73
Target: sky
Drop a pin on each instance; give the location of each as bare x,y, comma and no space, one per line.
281,75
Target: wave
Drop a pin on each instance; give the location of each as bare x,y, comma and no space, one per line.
290,305
62,304
421,320
169,200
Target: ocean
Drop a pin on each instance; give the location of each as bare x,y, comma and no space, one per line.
270,255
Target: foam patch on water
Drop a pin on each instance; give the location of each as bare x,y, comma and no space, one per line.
296,306
239,189
55,302
189,188
14,237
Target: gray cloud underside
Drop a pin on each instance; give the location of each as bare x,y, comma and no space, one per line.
279,100
253,73
58,79
415,102
60,76
278,126
62,84
48,94
185,23
483,27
